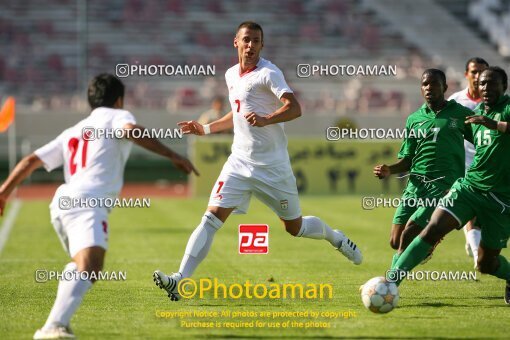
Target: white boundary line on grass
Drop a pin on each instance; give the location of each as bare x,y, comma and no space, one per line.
8,223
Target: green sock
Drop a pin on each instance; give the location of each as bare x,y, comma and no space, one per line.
503,271
394,260
412,256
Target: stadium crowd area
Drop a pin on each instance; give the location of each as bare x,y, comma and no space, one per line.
51,48
493,17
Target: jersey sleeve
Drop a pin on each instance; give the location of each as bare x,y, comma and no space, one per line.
468,129
506,114
277,84
122,118
52,154
468,133
408,148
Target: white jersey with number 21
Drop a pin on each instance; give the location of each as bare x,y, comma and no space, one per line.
92,167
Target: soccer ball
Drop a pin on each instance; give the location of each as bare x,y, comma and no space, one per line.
379,295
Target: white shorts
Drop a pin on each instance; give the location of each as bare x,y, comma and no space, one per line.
275,186
82,229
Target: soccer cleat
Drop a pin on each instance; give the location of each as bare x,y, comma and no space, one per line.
168,283
468,250
59,332
349,249
507,292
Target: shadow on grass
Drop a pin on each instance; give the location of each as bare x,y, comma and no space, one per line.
435,304
162,230
490,297
274,336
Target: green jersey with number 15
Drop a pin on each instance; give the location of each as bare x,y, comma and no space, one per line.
490,170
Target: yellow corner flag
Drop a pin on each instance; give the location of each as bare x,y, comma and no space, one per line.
7,114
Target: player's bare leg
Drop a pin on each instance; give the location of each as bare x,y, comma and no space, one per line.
70,293
412,230
407,235
490,261
197,249
395,235
441,223
313,227
473,236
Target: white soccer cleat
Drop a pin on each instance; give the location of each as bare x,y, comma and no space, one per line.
59,332
349,249
168,283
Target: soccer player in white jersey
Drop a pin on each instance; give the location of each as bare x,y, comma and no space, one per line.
93,168
259,163
470,98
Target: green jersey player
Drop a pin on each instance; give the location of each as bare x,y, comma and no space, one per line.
433,153
484,192
470,98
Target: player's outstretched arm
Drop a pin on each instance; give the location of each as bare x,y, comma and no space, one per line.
154,145
382,171
21,171
193,127
290,110
489,123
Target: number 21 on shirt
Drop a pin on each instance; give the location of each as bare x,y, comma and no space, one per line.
73,146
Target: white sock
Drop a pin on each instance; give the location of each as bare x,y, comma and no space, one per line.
69,296
465,232
313,227
473,237
199,243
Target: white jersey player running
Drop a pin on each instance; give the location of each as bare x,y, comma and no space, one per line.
259,164
93,168
470,98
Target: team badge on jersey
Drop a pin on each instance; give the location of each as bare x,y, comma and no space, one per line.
249,86
253,239
453,123
284,204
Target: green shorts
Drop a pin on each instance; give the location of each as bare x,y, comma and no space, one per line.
415,202
492,213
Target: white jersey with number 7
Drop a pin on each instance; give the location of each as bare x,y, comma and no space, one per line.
259,91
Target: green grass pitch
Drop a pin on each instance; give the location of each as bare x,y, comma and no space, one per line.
142,240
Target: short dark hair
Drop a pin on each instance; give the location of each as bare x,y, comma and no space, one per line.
435,72
252,26
104,90
476,60
501,72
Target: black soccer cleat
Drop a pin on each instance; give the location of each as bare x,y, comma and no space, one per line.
168,283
